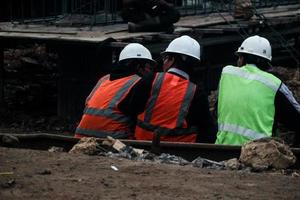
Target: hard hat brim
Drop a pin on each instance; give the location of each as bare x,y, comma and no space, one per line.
237,53
190,55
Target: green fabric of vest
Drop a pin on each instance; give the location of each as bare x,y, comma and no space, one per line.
245,104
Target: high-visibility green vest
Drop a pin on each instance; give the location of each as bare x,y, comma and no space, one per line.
245,104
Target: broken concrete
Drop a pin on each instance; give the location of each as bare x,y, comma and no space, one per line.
87,145
267,153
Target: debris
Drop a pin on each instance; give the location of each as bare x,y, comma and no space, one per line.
56,149
86,145
114,168
171,159
120,146
10,183
6,173
295,174
267,153
233,164
10,140
206,163
45,172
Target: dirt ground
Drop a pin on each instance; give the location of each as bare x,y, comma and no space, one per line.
32,174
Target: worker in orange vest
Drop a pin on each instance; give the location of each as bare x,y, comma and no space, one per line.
102,116
168,103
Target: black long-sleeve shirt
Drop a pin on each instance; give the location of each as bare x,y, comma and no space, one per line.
198,114
287,112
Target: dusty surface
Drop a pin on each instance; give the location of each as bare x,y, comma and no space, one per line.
46,175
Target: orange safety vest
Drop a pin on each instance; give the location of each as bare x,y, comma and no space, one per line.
101,117
166,110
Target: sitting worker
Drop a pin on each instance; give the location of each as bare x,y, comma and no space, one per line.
101,116
251,101
149,15
168,103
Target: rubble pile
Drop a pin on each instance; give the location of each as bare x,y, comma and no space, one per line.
30,75
30,90
87,145
267,153
259,155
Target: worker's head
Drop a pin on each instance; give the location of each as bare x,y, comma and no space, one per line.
183,52
254,50
137,58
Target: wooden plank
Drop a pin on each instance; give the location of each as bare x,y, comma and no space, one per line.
279,8
209,30
117,44
165,36
200,21
281,14
39,31
1,77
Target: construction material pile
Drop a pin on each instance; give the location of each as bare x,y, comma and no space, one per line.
30,90
260,155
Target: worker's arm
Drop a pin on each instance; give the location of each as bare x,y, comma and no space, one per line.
199,115
135,102
287,111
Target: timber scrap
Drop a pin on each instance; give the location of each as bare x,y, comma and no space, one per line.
214,23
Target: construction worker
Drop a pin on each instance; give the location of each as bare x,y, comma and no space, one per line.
168,103
101,116
251,101
149,15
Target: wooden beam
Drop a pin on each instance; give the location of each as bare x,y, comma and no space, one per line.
40,31
1,77
117,44
209,30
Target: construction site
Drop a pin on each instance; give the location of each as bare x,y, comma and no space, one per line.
52,54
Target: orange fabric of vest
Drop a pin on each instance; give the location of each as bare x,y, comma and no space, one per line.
166,109
101,99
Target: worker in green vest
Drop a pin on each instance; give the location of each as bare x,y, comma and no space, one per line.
251,101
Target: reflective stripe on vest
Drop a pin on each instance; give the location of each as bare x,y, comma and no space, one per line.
166,131
109,113
104,78
247,75
185,104
240,131
102,134
179,130
154,96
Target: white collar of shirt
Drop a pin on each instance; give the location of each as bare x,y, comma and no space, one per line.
179,72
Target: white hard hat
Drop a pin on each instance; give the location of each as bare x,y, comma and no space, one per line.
184,45
135,50
258,46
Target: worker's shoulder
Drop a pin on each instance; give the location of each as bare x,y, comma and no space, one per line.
230,68
271,76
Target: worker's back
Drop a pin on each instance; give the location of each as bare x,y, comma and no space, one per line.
167,109
245,104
